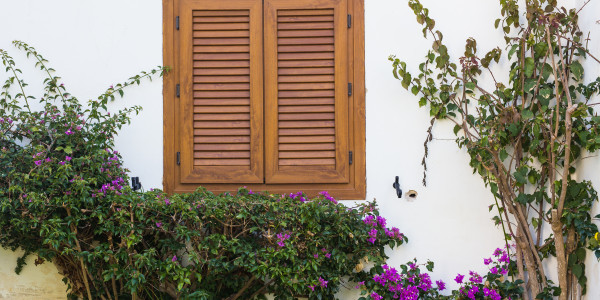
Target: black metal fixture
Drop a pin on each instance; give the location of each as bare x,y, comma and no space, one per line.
135,183
396,185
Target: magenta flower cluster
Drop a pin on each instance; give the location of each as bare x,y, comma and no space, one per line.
328,197
408,285
322,283
379,221
298,196
473,288
282,237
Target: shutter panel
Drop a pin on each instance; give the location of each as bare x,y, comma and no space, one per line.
306,91
221,91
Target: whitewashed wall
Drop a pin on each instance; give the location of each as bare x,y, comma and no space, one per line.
93,44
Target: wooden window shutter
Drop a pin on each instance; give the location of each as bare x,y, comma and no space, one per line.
221,100
306,91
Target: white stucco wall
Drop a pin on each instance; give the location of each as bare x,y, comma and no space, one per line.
93,44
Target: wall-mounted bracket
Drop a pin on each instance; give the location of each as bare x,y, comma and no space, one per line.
396,185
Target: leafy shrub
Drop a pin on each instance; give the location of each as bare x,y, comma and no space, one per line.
64,198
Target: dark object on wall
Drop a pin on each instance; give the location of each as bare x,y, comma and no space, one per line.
135,183
396,185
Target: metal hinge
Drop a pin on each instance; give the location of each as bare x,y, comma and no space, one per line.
177,22
349,21
178,158
177,90
349,89
350,157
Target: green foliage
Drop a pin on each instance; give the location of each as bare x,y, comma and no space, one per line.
524,134
64,197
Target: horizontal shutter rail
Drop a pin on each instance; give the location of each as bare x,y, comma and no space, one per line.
219,13
305,12
222,56
216,72
221,94
221,86
221,26
222,117
223,154
306,139
305,109
222,19
306,33
222,124
306,162
306,41
222,162
301,86
221,48
314,25
223,102
306,94
306,101
219,41
221,109
222,147
220,33
311,64
222,78
222,132
222,64
314,116
306,48
306,124
307,19
306,131
305,71
224,139
305,147
307,154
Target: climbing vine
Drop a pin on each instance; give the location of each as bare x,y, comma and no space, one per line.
525,133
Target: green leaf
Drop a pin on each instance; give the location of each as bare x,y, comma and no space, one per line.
470,85
546,93
68,150
530,85
512,50
580,254
523,198
577,70
415,90
529,66
577,270
503,154
546,71
527,114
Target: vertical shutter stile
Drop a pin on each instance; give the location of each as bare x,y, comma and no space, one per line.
306,97
221,99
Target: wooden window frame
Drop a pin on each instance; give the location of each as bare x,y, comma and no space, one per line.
355,189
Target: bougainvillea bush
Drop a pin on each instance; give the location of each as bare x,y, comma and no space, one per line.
64,197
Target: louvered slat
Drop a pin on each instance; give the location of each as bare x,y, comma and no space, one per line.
306,111
222,91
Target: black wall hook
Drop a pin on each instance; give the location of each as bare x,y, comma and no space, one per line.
135,183
396,185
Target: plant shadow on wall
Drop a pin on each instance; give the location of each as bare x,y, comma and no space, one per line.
524,135
64,198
